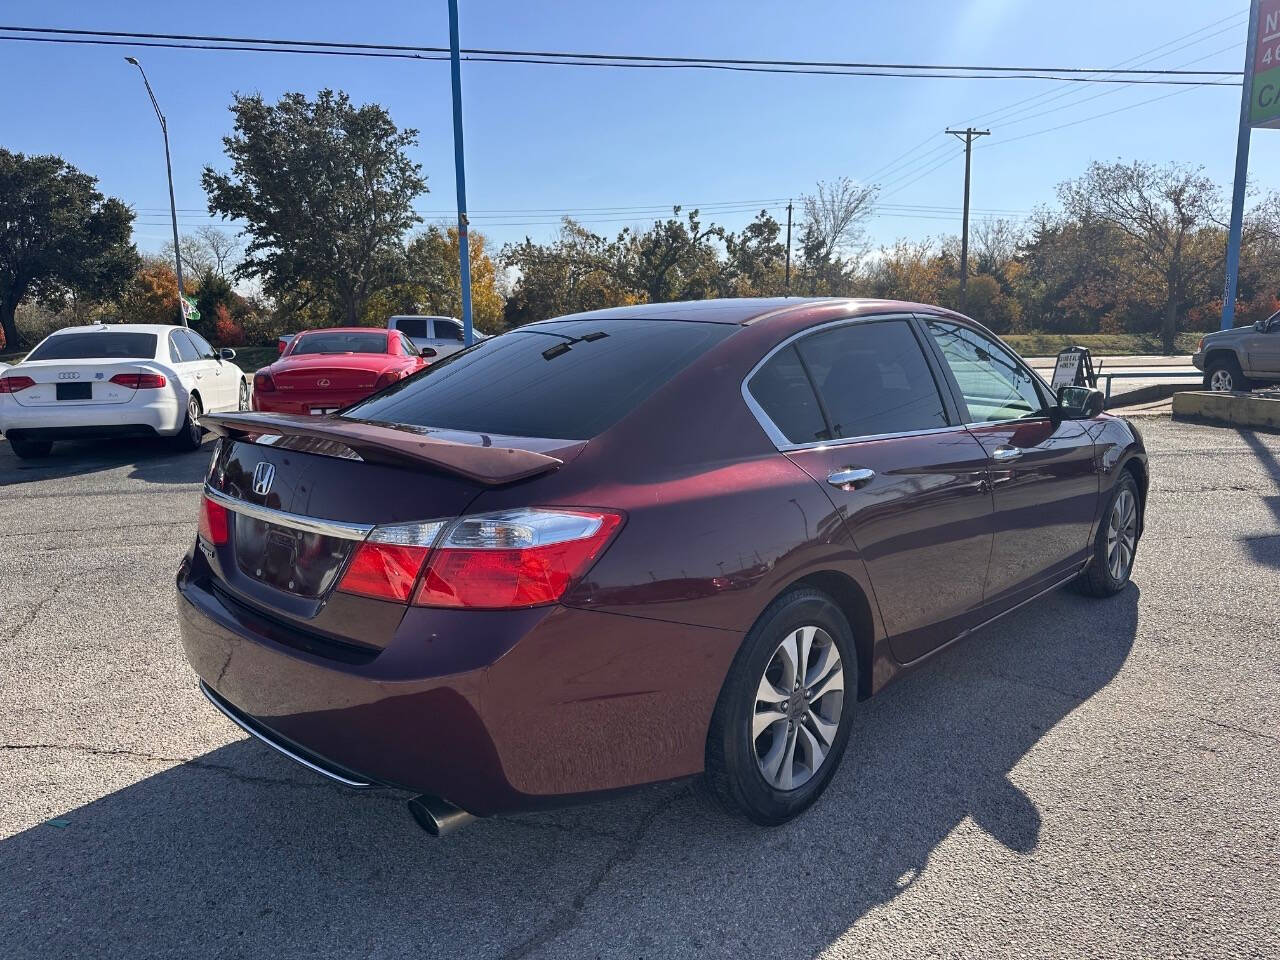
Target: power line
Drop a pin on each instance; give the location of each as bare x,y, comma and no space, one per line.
622,61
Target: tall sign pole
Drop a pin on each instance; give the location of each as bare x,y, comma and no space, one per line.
788,288
1250,113
968,136
460,175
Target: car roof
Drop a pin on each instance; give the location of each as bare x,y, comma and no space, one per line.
382,330
157,328
744,310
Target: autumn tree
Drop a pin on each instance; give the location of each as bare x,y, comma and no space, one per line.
1166,213
578,270
59,237
326,190
432,281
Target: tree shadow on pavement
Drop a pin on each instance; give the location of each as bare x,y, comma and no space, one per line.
152,460
239,852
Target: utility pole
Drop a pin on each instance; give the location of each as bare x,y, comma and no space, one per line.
1236,228
173,209
460,174
788,248
968,136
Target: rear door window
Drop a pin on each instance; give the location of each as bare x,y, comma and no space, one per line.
781,389
565,380
97,344
448,330
872,378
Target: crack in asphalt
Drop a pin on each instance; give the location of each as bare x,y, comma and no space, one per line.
183,761
31,617
1245,730
112,526
568,917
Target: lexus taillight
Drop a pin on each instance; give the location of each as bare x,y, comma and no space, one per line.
14,384
496,561
262,382
213,522
140,381
388,378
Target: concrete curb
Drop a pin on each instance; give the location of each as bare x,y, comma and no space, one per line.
1157,391
1233,409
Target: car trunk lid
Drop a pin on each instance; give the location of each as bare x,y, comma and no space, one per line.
322,373
72,382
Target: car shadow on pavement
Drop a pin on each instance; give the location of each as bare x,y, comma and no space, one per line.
152,460
240,852
1265,549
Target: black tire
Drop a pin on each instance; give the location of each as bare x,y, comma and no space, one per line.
1223,375
734,773
243,403
190,436
1099,579
30,449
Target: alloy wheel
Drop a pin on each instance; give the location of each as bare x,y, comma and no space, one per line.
193,419
244,396
1122,535
798,704
1221,381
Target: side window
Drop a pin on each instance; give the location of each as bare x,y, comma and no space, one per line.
873,379
182,349
407,347
448,330
203,346
412,326
782,390
995,386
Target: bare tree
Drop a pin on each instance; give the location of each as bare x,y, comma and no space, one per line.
1166,212
222,248
833,225
995,242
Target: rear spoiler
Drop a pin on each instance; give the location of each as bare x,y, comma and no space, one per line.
378,443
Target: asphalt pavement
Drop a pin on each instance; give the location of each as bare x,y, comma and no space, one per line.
1082,778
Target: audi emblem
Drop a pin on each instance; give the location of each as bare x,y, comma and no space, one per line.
70,375
263,474
322,383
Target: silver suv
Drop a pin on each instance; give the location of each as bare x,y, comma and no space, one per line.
1242,358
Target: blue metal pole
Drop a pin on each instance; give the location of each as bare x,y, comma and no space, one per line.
1242,176
460,170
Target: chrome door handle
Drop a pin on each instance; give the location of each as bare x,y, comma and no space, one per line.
850,477
1005,454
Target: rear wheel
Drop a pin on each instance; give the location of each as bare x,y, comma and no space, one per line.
1224,376
244,395
190,436
30,449
1115,543
782,721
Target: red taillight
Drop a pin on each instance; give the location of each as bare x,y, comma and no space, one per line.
140,381
383,570
262,383
213,522
522,558
14,384
388,378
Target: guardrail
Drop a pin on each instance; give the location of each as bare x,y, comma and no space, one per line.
1172,375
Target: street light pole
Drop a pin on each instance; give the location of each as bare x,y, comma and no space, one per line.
173,209
460,176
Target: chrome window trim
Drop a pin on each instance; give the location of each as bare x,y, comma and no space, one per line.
779,439
327,528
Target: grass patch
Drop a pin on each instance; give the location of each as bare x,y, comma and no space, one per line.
1099,344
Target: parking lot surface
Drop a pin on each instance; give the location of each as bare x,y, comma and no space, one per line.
1082,778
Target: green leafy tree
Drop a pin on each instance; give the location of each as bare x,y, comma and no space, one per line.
432,282
672,260
59,237
579,270
326,189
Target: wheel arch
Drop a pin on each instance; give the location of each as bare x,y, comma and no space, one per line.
853,602
1227,354
1142,477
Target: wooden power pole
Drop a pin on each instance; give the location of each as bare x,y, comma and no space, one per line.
968,136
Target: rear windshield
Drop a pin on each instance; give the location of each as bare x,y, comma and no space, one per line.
567,380
340,343
97,345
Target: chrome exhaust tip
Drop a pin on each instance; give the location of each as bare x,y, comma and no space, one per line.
437,816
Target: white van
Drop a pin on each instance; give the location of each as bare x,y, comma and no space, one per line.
441,334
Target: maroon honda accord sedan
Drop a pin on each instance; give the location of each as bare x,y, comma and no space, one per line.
640,544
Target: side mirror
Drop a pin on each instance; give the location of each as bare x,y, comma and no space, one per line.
226,353
1080,403
1260,326
427,351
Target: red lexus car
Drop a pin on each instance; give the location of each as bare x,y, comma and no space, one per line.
640,544
322,371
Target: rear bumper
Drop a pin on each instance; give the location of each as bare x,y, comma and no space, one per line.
493,711
274,402
161,415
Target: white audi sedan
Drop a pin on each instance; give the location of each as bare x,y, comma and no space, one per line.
117,380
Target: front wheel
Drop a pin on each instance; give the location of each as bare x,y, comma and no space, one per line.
782,721
1225,376
1115,543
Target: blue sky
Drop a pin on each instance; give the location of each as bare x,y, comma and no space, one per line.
543,140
